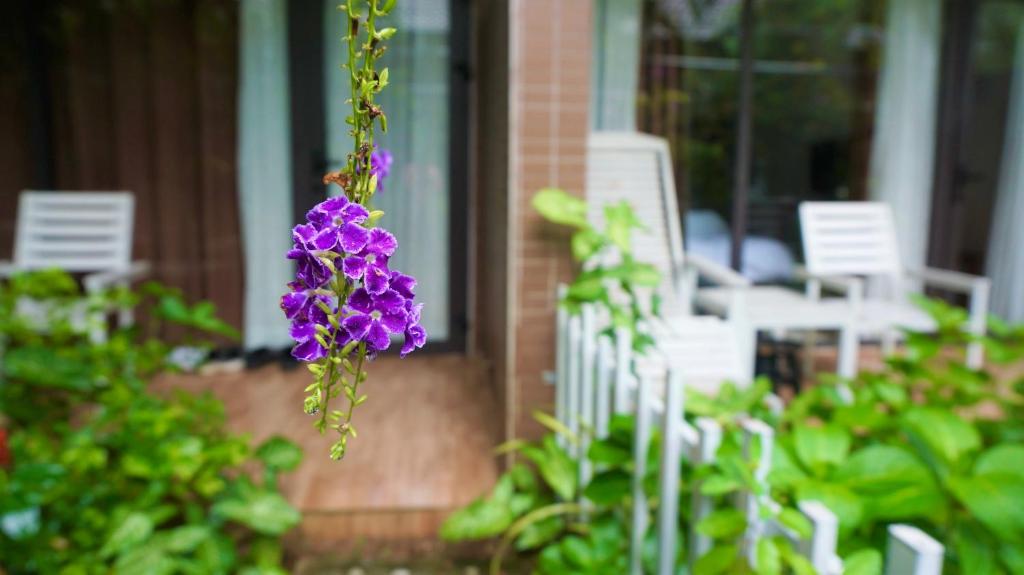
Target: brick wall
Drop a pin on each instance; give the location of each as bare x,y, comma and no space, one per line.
549,91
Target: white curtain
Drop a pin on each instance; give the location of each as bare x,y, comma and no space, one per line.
416,194
1005,264
904,140
615,70
264,160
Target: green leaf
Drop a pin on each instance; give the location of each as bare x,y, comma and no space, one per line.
134,529
848,507
279,454
976,552
186,538
716,561
263,511
481,519
540,533
796,521
619,223
946,435
585,243
1003,458
995,499
718,484
608,487
785,472
587,287
1013,557
769,560
894,483
556,467
863,562
559,207
722,523
577,552
820,447
608,453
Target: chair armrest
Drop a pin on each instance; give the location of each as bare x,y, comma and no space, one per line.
7,269
102,280
716,273
948,279
841,284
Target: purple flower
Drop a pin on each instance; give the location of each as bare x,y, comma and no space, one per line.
375,317
415,335
380,166
307,348
297,303
309,242
336,212
371,263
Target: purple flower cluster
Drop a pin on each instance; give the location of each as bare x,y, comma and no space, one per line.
334,241
380,166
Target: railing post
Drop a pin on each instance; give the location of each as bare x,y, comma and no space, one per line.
820,549
710,437
671,451
572,406
588,345
749,501
602,407
912,552
561,361
641,440
623,368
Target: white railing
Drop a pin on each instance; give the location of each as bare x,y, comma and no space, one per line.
597,377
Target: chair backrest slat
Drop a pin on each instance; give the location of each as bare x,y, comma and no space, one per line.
638,168
849,238
74,231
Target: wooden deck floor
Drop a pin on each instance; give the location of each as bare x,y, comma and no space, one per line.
425,445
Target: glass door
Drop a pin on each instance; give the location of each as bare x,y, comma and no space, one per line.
425,186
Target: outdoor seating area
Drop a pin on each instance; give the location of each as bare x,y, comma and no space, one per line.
574,287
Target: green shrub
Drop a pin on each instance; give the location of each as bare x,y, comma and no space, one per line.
105,475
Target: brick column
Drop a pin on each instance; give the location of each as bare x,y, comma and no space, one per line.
549,95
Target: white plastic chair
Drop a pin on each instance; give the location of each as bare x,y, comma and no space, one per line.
844,239
637,168
79,232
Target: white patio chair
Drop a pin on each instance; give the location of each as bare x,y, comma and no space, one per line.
843,239
79,232
637,168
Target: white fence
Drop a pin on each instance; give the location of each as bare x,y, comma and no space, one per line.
597,377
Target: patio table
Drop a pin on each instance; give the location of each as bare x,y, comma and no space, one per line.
778,309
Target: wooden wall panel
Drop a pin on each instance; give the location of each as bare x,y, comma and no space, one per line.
143,99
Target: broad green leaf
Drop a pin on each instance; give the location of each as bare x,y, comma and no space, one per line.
785,472
585,243
893,483
769,559
561,208
577,552
608,487
130,532
620,220
556,467
718,560
820,447
481,519
185,539
552,562
1004,458
609,453
863,562
1013,557
718,484
587,288
636,274
946,435
540,533
975,549
848,507
279,454
263,511
995,499
796,521
722,523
